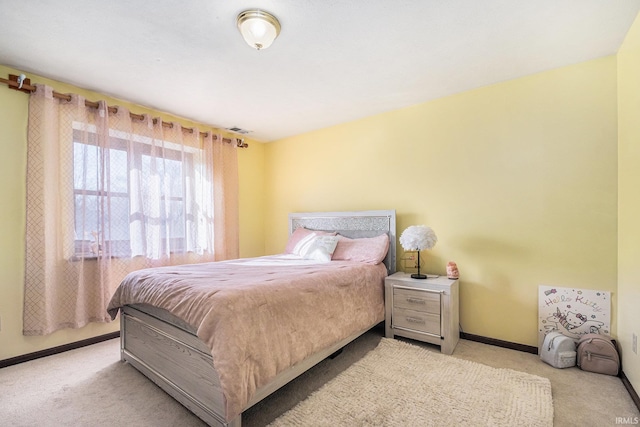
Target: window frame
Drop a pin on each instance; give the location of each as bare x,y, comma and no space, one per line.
119,140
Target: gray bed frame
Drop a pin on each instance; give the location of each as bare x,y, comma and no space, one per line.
168,352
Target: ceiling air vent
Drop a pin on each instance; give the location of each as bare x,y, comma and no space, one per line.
238,130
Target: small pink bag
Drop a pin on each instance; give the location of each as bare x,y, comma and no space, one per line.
598,353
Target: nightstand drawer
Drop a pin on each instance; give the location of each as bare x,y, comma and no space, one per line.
428,302
416,320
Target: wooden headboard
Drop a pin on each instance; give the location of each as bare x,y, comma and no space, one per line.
354,224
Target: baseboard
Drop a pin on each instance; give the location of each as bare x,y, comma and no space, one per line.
499,343
630,389
55,350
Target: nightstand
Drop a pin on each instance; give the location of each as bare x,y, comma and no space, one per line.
424,310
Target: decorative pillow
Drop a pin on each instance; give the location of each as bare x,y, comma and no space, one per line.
319,248
299,234
371,250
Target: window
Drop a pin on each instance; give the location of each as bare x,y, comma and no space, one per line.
130,196
122,192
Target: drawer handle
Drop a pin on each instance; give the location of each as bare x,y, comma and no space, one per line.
415,320
416,300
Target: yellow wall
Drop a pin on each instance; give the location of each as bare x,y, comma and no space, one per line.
629,200
518,180
13,131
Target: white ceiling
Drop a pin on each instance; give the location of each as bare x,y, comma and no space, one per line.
334,61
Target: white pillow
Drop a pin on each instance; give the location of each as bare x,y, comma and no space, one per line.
319,248
299,234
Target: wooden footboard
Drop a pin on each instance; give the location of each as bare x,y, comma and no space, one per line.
177,361
180,363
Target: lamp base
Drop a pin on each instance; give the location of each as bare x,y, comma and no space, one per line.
418,276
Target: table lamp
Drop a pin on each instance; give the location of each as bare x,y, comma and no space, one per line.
418,238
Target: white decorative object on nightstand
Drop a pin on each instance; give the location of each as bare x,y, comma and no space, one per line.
424,310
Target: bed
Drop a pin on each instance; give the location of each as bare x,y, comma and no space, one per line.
250,344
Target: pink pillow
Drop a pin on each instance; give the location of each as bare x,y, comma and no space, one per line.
299,234
371,250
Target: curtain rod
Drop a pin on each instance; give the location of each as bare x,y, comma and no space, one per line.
27,88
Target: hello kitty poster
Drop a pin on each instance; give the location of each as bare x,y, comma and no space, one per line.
573,312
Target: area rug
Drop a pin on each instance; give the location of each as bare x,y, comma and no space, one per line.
401,384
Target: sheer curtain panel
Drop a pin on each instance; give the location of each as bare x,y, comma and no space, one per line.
108,194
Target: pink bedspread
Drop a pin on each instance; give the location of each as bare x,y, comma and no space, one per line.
259,319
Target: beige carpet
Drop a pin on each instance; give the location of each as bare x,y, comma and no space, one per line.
90,387
400,384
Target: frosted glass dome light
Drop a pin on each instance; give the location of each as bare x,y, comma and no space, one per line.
258,28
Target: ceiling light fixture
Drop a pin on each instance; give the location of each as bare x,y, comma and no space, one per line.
259,28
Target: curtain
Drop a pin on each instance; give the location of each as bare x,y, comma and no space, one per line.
108,194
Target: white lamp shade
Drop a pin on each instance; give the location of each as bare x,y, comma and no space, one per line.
258,28
417,238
